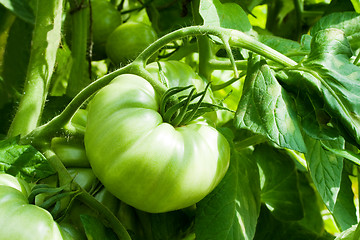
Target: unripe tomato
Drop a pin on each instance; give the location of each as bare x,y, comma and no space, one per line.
128,40
105,20
71,151
20,220
145,162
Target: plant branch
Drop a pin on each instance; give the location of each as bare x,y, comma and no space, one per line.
236,38
228,83
240,39
227,65
59,121
45,42
79,77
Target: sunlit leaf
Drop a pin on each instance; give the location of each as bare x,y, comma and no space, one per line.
227,15
230,212
23,161
325,169
266,109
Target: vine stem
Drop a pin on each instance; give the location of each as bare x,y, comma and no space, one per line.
60,120
45,41
234,38
79,77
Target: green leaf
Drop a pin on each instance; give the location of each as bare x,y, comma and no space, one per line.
95,229
331,81
266,109
279,183
23,161
345,211
20,8
314,119
350,234
325,169
227,15
231,210
349,22
171,225
312,212
270,228
355,158
356,4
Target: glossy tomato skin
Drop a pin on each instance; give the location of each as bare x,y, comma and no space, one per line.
128,40
145,162
20,220
105,20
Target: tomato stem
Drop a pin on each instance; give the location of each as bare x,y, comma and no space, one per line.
79,76
227,65
46,38
227,83
240,39
59,121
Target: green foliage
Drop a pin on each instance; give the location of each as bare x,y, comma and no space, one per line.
235,203
266,109
288,70
227,15
279,190
20,8
23,161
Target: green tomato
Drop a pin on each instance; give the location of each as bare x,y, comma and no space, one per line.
71,151
84,177
128,40
20,220
145,162
105,20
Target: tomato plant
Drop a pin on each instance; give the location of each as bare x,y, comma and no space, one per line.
200,119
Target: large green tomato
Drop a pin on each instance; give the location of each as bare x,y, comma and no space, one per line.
145,162
105,20
128,40
20,220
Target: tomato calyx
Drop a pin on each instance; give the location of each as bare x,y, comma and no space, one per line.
51,198
185,108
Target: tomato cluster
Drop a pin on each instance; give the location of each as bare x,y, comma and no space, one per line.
119,148
112,38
